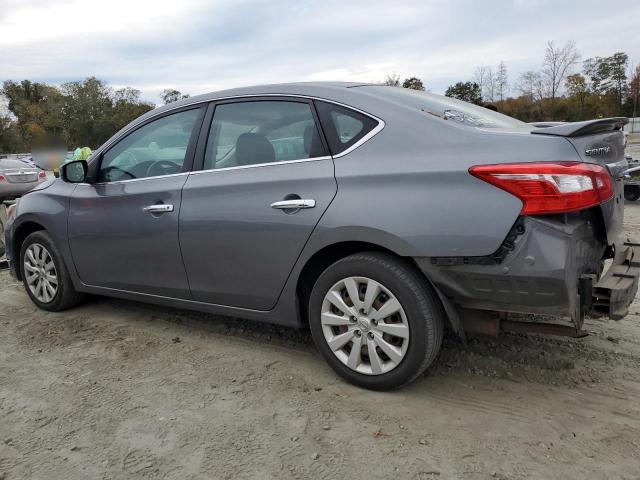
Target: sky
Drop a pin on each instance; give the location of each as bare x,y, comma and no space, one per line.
199,46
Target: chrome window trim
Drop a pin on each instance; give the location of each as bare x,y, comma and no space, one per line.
371,134
211,170
255,165
364,139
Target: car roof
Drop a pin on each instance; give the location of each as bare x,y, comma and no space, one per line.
312,89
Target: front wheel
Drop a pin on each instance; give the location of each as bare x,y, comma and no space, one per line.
376,321
45,275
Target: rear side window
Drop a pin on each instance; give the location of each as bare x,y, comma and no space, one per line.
342,126
260,131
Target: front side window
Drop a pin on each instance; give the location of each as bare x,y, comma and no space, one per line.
344,127
157,148
262,131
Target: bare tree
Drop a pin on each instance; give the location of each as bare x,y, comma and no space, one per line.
502,83
558,62
531,85
480,77
486,79
392,80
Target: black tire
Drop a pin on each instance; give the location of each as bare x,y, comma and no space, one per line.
424,314
66,295
631,193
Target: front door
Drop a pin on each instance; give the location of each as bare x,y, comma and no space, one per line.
123,228
245,217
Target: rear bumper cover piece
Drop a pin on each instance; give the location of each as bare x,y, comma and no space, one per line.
552,267
613,293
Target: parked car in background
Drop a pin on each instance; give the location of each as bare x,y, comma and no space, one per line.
17,177
373,215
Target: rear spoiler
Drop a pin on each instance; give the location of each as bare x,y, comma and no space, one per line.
588,127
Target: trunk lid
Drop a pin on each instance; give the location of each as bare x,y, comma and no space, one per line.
26,175
601,142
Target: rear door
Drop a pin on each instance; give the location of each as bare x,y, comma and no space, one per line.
266,180
123,228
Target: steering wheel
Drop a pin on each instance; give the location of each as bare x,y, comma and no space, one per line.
162,167
106,173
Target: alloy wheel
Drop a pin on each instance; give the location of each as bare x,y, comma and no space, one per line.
365,325
40,273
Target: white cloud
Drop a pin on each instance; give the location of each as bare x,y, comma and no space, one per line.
197,46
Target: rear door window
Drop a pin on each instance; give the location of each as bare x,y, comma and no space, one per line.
262,131
343,126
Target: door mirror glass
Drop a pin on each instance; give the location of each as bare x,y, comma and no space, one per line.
74,172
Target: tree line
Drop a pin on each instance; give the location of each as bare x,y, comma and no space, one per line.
80,113
559,90
88,112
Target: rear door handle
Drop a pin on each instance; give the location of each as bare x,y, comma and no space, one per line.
294,204
159,208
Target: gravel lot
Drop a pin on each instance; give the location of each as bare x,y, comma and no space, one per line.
115,390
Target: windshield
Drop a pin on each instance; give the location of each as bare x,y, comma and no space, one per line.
448,108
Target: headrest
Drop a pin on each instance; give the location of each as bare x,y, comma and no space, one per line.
253,148
312,142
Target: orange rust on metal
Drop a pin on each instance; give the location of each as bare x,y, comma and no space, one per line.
492,323
476,321
544,328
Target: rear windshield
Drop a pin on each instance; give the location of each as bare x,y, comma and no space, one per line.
448,108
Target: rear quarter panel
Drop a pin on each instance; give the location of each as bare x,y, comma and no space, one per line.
408,188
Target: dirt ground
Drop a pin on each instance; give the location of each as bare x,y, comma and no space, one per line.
115,390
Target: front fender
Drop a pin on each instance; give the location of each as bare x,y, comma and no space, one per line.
48,209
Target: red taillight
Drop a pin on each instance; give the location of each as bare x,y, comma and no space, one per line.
42,174
550,187
2,178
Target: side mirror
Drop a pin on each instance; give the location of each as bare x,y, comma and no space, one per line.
74,172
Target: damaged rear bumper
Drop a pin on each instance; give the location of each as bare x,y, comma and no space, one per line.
547,266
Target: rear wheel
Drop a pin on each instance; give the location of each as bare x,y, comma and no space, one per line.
631,192
45,275
375,320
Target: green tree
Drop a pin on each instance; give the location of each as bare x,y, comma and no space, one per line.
413,83
88,112
467,91
37,109
608,78
170,95
10,140
80,113
126,107
578,89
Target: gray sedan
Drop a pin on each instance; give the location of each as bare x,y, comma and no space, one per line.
17,177
375,216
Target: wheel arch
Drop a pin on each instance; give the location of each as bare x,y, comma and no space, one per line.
330,254
22,231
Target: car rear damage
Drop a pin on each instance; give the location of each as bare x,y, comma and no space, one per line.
564,256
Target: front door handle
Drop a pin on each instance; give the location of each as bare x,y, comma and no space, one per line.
294,204
159,208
